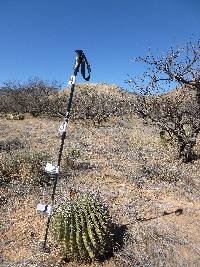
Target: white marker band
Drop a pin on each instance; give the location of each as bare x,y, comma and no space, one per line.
72,80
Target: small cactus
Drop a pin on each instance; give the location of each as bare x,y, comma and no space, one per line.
83,228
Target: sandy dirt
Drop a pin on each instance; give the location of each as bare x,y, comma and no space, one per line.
121,161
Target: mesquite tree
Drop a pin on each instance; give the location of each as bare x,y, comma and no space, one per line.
176,111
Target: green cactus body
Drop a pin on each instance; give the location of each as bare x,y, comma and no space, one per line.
82,252
84,230
82,226
103,220
62,227
72,236
96,223
67,219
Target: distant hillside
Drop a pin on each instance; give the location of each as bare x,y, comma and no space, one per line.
101,88
4,91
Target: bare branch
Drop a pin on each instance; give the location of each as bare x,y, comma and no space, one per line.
176,112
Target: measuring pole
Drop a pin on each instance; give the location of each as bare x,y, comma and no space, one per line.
80,60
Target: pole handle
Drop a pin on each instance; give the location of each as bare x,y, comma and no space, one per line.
81,60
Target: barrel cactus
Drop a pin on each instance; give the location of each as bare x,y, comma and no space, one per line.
83,228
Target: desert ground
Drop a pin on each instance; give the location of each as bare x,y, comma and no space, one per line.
152,197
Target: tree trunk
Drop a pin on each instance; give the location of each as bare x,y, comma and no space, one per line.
186,152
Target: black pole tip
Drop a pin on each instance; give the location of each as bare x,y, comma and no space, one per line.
44,248
79,52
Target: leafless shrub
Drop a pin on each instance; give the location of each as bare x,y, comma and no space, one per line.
32,97
176,112
92,102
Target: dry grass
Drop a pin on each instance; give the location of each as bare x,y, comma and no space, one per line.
125,163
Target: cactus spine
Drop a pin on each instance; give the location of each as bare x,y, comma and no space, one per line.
83,228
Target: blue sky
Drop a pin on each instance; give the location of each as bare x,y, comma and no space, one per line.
38,37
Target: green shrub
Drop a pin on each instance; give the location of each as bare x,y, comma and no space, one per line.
11,144
82,226
26,167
